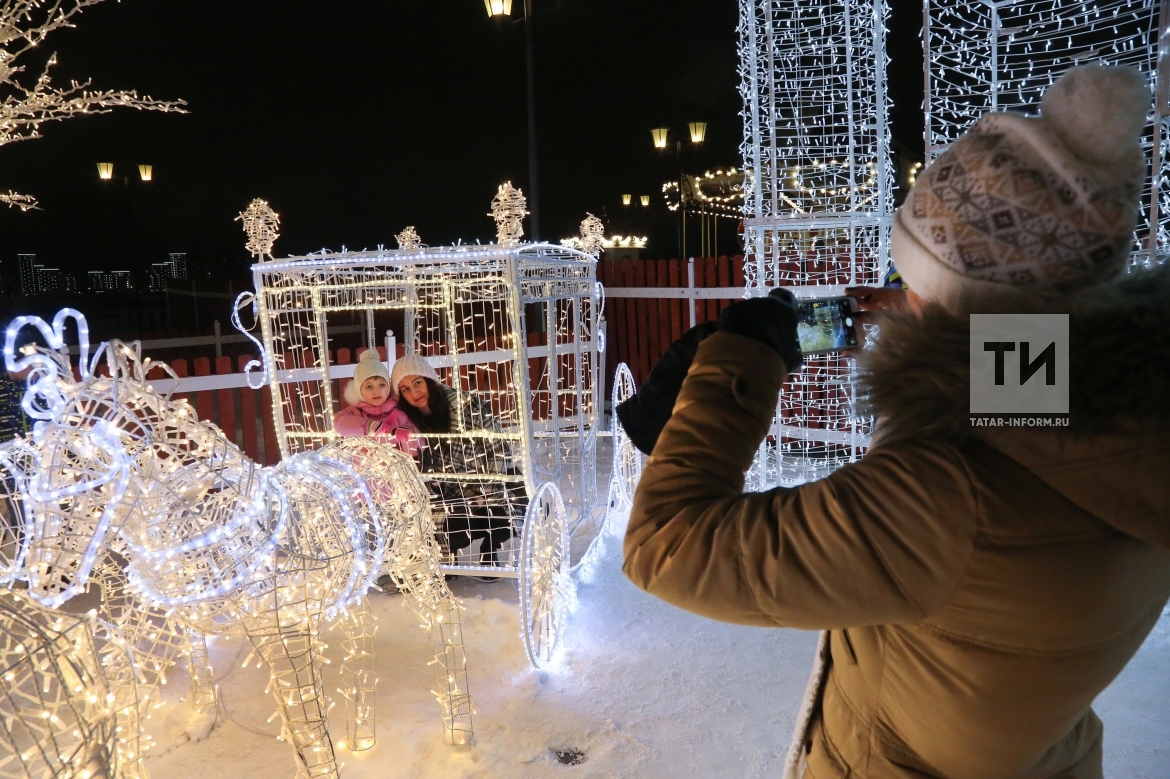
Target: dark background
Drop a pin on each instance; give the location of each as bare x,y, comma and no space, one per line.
354,119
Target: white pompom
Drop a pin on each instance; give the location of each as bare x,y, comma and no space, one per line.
1099,112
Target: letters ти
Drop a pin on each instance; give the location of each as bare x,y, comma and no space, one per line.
1028,367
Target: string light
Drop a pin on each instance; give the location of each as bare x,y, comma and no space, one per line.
408,239
715,192
592,235
222,544
262,226
817,181
528,413
30,105
1003,56
509,209
59,714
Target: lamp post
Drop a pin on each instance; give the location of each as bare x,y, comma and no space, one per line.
698,134
504,8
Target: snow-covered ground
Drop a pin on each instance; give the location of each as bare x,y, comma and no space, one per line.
642,690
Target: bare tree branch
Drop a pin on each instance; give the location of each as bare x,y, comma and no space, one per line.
23,109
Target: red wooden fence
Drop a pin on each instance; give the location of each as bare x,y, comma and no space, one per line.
641,329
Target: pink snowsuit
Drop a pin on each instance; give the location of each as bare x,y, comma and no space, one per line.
384,421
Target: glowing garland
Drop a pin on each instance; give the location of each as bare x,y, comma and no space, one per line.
1002,57
817,199
408,239
262,226
64,684
715,193
466,309
217,541
25,24
509,209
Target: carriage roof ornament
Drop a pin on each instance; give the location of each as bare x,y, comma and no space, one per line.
592,235
262,226
509,207
408,239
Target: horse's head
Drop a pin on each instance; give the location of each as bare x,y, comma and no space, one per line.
71,477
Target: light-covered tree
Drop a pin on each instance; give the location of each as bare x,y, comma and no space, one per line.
24,106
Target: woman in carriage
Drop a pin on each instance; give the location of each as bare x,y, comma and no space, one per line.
472,509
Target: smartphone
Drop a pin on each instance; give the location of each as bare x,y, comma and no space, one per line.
825,325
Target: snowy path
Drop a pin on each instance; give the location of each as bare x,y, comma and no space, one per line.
643,689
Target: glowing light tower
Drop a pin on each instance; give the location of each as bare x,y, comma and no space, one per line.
817,202
997,56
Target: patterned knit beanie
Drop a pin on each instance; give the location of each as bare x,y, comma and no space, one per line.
1046,202
412,365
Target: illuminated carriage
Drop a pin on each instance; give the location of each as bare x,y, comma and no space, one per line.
514,330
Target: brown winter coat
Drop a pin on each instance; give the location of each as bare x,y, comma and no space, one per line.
980,588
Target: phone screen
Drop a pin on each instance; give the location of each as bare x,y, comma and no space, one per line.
825,325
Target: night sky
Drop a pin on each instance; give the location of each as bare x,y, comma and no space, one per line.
354,119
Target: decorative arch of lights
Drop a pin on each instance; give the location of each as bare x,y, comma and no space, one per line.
513,328
1001,56
816,198
715,192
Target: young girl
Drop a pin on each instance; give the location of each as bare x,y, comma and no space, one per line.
372,409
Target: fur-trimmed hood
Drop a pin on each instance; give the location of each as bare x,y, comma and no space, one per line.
1113,459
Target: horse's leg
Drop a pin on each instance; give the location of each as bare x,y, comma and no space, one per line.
414,563
357,675
294,658
201,675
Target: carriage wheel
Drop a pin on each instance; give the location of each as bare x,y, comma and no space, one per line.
546,588
627,460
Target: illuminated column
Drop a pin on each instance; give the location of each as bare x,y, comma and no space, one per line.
816,198
997,56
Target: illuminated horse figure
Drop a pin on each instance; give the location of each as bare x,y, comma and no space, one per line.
224,544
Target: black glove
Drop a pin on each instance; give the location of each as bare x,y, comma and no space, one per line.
645,414
770,320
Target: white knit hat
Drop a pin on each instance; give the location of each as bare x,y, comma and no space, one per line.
1040,202
412,365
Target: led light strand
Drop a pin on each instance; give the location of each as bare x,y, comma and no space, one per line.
214,541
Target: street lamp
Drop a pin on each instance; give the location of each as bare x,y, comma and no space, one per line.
659,134
146,172
626,199
645,200
504,8
698,131
105,170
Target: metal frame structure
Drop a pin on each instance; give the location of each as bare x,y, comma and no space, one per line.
1001,56
817,199
476,314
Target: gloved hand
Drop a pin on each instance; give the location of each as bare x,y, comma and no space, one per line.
645,414
770,320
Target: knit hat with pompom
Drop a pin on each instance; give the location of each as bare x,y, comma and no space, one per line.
369,365
1044,202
